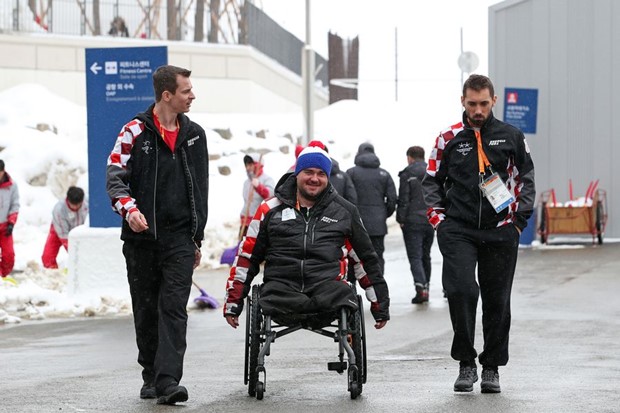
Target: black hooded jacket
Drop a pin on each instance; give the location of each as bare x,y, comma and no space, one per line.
305,250
376,193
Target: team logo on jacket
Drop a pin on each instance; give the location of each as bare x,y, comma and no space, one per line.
496,142
329,220
191,141
464,148
146,147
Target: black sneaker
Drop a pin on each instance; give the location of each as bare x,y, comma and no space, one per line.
490,380
173,394
148,391
468,375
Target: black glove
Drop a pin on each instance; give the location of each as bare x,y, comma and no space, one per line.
9,229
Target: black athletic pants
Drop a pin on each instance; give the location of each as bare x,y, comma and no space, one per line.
160,281
418,242
494,252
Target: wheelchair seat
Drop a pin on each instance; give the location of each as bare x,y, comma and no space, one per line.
345,326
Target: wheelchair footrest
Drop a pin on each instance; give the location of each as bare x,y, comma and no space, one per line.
339,366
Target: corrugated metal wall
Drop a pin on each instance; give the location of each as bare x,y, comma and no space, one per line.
570,51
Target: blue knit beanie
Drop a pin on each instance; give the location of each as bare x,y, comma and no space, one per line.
313,157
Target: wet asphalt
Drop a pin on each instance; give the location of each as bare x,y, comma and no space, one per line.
564,351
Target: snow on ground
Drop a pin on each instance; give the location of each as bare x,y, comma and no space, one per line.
43,141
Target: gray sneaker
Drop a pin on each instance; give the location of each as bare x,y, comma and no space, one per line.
468,375
490,380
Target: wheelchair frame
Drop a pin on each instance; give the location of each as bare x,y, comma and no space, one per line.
261,331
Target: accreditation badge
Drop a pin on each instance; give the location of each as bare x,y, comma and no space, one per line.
495,190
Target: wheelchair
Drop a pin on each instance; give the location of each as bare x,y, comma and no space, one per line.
344,326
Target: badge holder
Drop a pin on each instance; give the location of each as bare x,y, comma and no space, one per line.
496,192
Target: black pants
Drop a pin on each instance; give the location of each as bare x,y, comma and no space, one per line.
282,299
160,281
494,252
378,245
418,242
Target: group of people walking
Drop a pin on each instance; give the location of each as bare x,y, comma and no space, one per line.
318,229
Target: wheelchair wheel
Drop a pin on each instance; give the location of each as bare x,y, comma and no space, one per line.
356,373
364,370
255,326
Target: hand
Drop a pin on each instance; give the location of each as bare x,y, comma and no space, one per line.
137,221
380,324
9,229
197,257
255,182
232,320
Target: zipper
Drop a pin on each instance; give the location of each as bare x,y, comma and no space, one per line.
303,284
480,196
155,189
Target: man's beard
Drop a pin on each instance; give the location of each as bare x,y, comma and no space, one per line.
476,123
310,197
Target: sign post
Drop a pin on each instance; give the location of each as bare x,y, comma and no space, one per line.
520,108
118,86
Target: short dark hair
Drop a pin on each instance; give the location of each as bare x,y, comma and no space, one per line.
165,79
416,152
1,165
75,195
478,83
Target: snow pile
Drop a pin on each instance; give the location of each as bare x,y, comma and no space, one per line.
43,141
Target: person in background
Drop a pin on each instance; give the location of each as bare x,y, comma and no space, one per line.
67,214
418,234
376,195
258,187
341,181
479,186
118,27
9,209
158,181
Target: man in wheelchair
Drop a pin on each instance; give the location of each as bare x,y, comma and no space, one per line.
305,235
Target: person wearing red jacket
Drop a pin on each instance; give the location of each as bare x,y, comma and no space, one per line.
67,214
9,208
258,187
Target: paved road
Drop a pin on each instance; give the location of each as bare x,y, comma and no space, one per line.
564,352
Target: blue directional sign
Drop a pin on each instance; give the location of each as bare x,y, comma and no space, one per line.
520,108
119,85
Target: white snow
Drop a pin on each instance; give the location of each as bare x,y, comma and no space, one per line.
43,141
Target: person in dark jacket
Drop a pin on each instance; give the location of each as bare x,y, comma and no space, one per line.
342,183
376,195
418,234
158,181
304,235
480,190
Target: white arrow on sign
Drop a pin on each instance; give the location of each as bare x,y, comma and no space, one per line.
95,68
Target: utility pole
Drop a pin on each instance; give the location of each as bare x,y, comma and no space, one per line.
307,60
396,64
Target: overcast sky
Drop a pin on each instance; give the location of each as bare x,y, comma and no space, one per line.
429,41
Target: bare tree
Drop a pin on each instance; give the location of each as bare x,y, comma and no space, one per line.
96,18
215,21
199,21
172,21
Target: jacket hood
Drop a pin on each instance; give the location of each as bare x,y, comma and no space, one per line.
365,147
367,160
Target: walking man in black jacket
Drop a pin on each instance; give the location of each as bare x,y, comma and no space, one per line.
376,195
158,181
411,215
479,187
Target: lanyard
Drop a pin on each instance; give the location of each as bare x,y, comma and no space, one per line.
483,161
